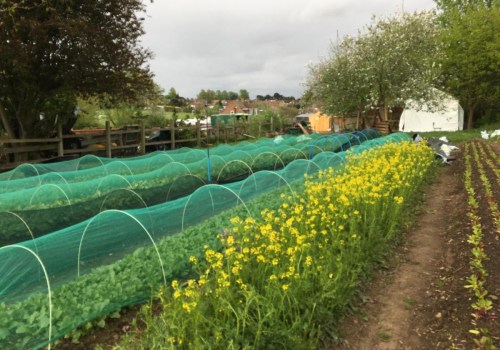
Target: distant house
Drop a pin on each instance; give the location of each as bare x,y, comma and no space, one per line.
239,107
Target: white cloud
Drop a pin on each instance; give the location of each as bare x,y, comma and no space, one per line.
261,46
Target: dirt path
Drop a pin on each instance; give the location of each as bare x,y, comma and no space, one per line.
395,312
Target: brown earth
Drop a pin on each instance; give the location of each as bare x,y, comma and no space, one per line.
419,300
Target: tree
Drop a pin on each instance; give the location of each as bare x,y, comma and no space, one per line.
231,95
55,51
244,95
393,61
173,98
471,58
336,84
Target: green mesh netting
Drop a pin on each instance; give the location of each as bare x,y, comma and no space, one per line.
52,284
55,200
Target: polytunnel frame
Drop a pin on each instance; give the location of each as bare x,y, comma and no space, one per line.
247,154
41,182
24,165
50,185
254,175
49,289
309,163
372,131
296,150
208,159
193,151
204,187
87,156
157,156
181,150
360,133
102,179
234,161
107,165
246,143
175,162
225,148
272,153
328,154
354,135
399,136
25,224
122,189
172,163
215,156
177,177
134,219
312,146
323,139
342,143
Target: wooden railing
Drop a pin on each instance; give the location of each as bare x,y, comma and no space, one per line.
113,142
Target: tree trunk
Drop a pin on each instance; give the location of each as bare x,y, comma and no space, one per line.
6,122
383,113
470,115
357,119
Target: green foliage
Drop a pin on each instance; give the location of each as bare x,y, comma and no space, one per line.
210,95
129,281
266,121
174,99
283,278
244,95
471,54
54,51
392,61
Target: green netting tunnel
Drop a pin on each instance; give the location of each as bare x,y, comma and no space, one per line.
50,285
57,199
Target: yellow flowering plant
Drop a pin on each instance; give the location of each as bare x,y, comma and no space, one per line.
283,278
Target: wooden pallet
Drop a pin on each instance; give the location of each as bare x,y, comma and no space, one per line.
383,127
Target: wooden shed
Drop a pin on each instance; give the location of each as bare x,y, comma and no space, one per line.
322,123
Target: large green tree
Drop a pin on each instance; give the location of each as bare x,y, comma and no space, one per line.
471,53
53,51
244,95
393,60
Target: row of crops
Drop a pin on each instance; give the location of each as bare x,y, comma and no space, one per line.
482,163
43,201
51,284
284,278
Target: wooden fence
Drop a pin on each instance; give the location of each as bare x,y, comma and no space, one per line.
115,142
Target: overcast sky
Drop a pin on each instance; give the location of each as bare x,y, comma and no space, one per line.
263,46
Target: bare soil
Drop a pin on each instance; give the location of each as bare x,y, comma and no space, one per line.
419,300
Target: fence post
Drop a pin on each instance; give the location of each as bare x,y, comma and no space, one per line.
172,134
198,133
108,138
142,137
60,145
